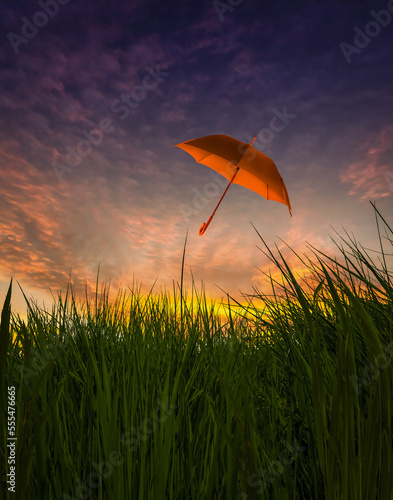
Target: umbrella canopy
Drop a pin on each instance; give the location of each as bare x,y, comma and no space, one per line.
241,164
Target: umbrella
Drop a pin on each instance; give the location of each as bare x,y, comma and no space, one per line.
241,164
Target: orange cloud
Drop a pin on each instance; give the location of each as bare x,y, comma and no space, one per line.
367,175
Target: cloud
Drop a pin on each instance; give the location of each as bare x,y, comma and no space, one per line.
366,176
120,206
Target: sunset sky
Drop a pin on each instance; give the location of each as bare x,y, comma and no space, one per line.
151,74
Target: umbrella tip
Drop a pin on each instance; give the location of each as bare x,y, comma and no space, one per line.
203,229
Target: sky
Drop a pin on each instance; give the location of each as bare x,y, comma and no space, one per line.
95,94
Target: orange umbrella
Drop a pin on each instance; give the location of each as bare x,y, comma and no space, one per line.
241,164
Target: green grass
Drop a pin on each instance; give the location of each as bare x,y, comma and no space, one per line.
159,397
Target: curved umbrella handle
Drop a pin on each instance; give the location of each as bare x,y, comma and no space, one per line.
204,226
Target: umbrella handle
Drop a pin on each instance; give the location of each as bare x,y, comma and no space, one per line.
204,226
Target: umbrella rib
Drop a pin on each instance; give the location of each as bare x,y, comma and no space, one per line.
204,158
213,154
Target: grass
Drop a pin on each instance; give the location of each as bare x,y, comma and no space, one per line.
159,397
